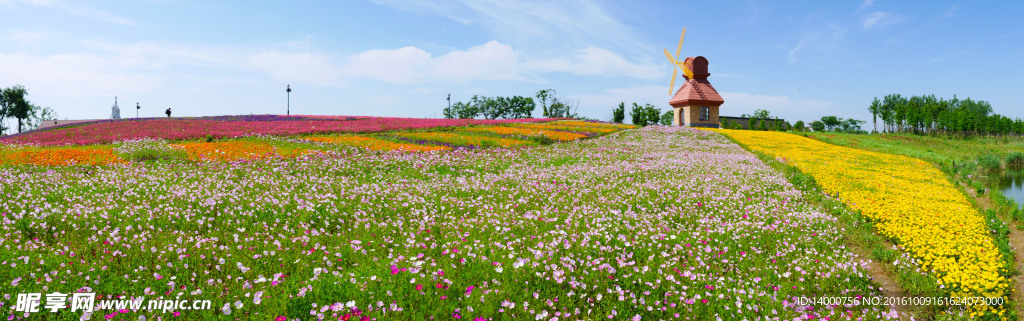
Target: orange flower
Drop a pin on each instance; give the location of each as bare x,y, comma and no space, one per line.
227,151
62,156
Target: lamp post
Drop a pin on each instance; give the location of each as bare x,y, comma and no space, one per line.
137,107
289,90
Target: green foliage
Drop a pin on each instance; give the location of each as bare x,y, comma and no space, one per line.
618,114
818,126
760,114
831,122
666,118
799,126
14,104
931,115
637,115
514,107
989,162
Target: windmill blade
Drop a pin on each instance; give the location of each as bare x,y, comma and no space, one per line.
672,85
669,56
680,48
686,71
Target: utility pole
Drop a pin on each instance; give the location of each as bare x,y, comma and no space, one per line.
289,90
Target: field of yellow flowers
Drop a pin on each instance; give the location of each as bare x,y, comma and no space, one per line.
910,202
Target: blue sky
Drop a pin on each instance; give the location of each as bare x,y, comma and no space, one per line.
799,59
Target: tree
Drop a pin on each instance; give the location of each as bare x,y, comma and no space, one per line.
852,125
637,115
563,108
762,114
543,96
40,114
818,126
461,110
874,108
652,114
619,113
831,122
3,112
16,105
666,118
799,126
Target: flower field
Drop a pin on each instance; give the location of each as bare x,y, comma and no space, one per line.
524,132
106,132
262,145
910,202
653,224
371,143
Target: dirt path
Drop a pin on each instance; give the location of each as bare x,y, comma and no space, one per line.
1016,238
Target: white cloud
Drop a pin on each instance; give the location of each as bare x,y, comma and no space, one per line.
535,23
402,66
595,61
297,67
74,75
865,4
880,19
491,61
77,10
817,45
27,37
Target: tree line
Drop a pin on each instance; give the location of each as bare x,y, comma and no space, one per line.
13,104
931,115
514,107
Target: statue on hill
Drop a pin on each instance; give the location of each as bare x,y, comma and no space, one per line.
168,112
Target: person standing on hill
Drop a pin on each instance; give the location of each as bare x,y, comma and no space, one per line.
168,112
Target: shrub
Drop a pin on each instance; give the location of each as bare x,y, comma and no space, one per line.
989,162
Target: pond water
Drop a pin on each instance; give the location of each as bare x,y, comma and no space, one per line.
1011,182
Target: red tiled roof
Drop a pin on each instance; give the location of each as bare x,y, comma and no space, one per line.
696,92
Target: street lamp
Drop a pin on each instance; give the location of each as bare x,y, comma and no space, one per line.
137,107
289,90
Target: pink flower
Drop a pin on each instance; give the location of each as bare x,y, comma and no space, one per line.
419,287
440,273
281,318
177,313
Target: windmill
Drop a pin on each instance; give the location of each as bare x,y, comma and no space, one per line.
681,65
696,102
